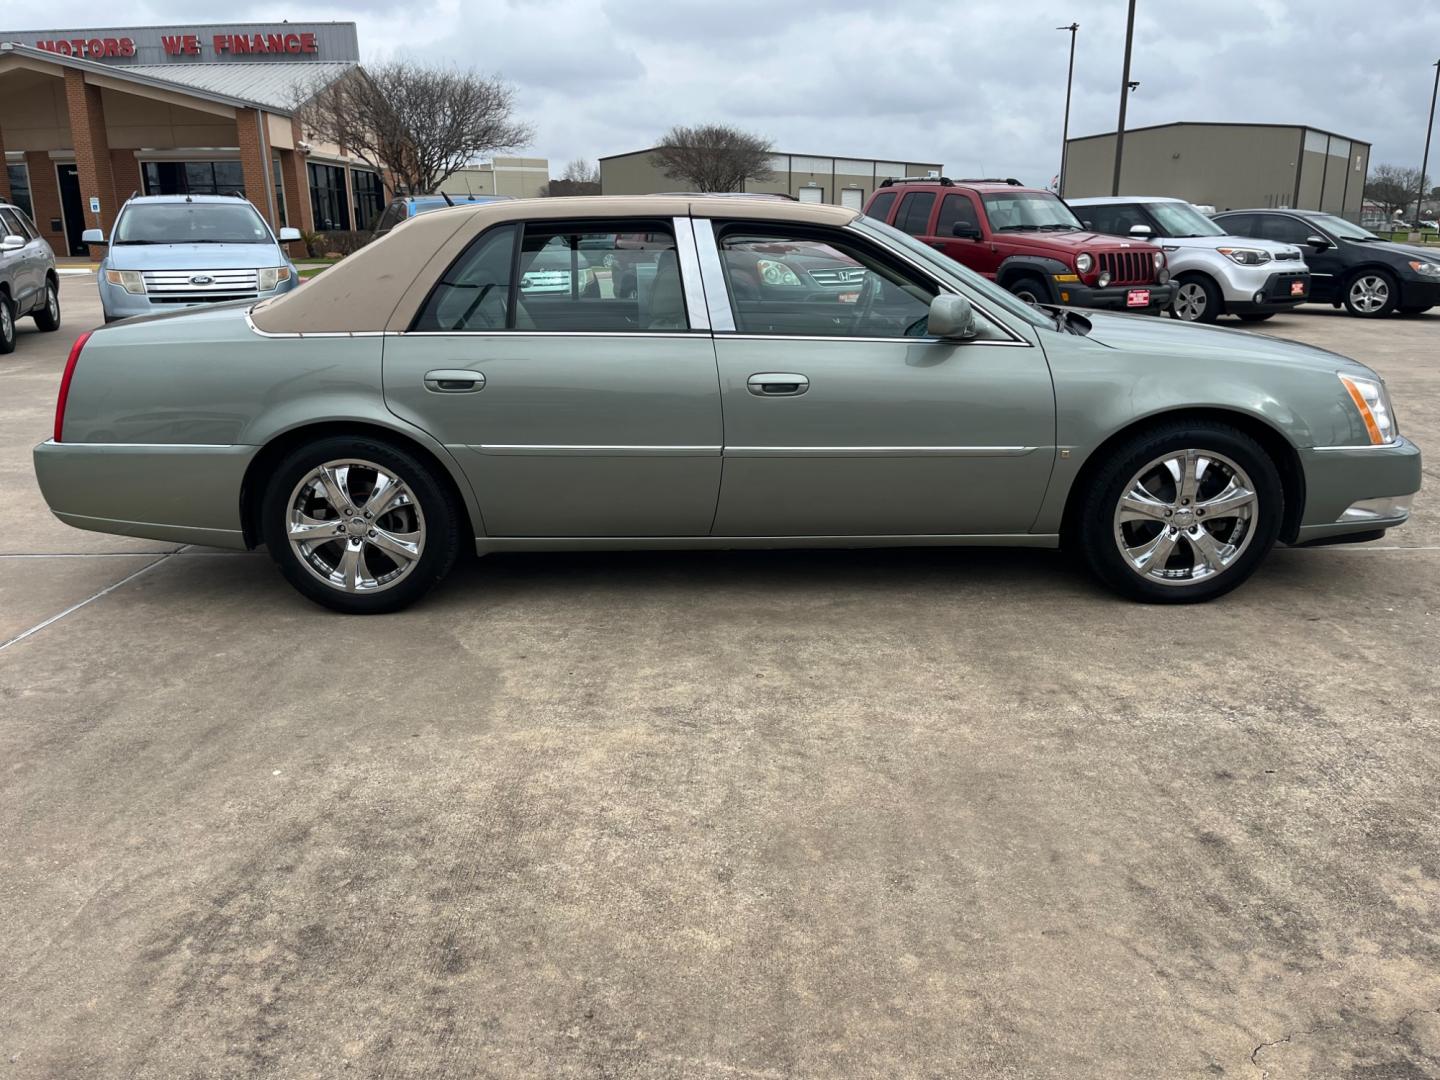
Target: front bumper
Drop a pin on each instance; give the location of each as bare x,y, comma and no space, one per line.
1276,292
1114,297
1419,292
1342,483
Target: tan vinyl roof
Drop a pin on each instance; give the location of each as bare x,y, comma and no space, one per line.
382,285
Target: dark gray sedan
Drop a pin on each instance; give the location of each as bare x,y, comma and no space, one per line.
435,392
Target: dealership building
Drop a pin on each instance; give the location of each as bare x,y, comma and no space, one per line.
808,177
88,117
1227,166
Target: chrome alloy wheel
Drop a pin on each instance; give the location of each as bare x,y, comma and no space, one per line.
355,526
7,322
1186,517
1369,293
52,303
1190,302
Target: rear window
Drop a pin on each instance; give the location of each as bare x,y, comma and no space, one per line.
191,223
880,205
914,214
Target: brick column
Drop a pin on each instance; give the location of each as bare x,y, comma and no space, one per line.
45,197
4,173
253,163
126,170
92,150
297,198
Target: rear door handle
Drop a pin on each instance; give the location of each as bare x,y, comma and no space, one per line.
777,384
454,381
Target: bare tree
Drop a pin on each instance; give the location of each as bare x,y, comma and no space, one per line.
713,157
581,171
415,124
1393,186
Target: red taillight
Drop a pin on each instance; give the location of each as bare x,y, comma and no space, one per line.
65,382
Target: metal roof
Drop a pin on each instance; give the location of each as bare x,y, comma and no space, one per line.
276,86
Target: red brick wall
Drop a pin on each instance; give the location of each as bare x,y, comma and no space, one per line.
45,194
4,173
253,163
126,171
92,149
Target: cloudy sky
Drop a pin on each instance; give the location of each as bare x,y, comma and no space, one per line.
977,84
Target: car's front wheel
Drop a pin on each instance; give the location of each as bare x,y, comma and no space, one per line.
1031,290
1196,300
359,525
1371,294
7,324
1180,513
48,317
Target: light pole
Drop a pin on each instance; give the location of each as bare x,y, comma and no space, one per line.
1124,99
1069,82
1425,161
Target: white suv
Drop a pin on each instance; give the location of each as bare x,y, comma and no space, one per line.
1215,273
28,285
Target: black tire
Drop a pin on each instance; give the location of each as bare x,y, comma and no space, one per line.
47,317
1204,306
1362,310
1097,535
439,523
1030,289
1257,316
1415,310
7,324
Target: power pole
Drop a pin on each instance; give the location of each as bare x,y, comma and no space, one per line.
1425,161
1069,82
1124,99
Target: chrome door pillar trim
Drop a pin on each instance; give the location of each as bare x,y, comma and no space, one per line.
712,276
690,281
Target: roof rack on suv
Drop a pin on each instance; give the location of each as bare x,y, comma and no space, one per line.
891,181
992,180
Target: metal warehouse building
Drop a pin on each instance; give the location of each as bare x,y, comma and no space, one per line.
808,177
1226,166
89,116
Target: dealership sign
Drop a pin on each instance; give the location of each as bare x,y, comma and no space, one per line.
187,45
178,44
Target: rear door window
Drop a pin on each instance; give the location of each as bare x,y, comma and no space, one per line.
914,215
880,205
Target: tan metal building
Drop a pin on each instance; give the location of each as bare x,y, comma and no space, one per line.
808,177
522,177
1226,166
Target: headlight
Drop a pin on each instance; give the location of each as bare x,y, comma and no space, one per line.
1084,262
1374,404
1159,259
1245,256
1429,269
132,281
271,276
1103,279
776,273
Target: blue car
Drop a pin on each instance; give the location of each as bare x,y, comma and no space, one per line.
408,206
175,251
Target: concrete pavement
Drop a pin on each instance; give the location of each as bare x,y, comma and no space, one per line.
871,814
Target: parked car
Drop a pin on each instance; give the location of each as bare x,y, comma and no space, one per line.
1028,241
175,251
28,283
407,206
937,409
1214,274
1349,265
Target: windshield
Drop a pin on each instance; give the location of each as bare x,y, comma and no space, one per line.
1182,219
951,269
191,223
1028,210
1341,228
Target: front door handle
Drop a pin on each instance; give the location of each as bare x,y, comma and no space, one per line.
777,384
454,381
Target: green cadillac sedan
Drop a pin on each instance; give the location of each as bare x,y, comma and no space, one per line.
770,374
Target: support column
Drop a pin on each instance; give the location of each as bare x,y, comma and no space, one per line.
297,199
253,163
5,193
92,150
126,171
45,199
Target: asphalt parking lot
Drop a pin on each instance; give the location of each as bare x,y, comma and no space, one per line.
876,814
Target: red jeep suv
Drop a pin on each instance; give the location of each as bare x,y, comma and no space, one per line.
1028,241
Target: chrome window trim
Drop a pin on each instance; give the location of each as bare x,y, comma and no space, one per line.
649,335
872,340
690,284
712,277
250,322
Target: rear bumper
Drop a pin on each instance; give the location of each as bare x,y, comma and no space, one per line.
1115,297
184,493
1339,478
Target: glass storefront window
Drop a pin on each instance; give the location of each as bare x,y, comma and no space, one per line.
20,188
328,198
278,180
369,197
194,178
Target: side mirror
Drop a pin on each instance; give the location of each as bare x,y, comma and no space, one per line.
93,236
12,243
1089,225
1141,230
1319,243
966,230
288,234
951,317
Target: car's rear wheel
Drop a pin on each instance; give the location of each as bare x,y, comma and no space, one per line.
1181,513
48,317
1371,294
1196,300
7,324
359,525
1030,289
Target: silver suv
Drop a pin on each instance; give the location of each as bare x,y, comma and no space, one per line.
174,251
1215,273
28,285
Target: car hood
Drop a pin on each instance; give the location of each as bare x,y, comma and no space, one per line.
1189,343
1079,241
1275,247
193,257
1390,247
